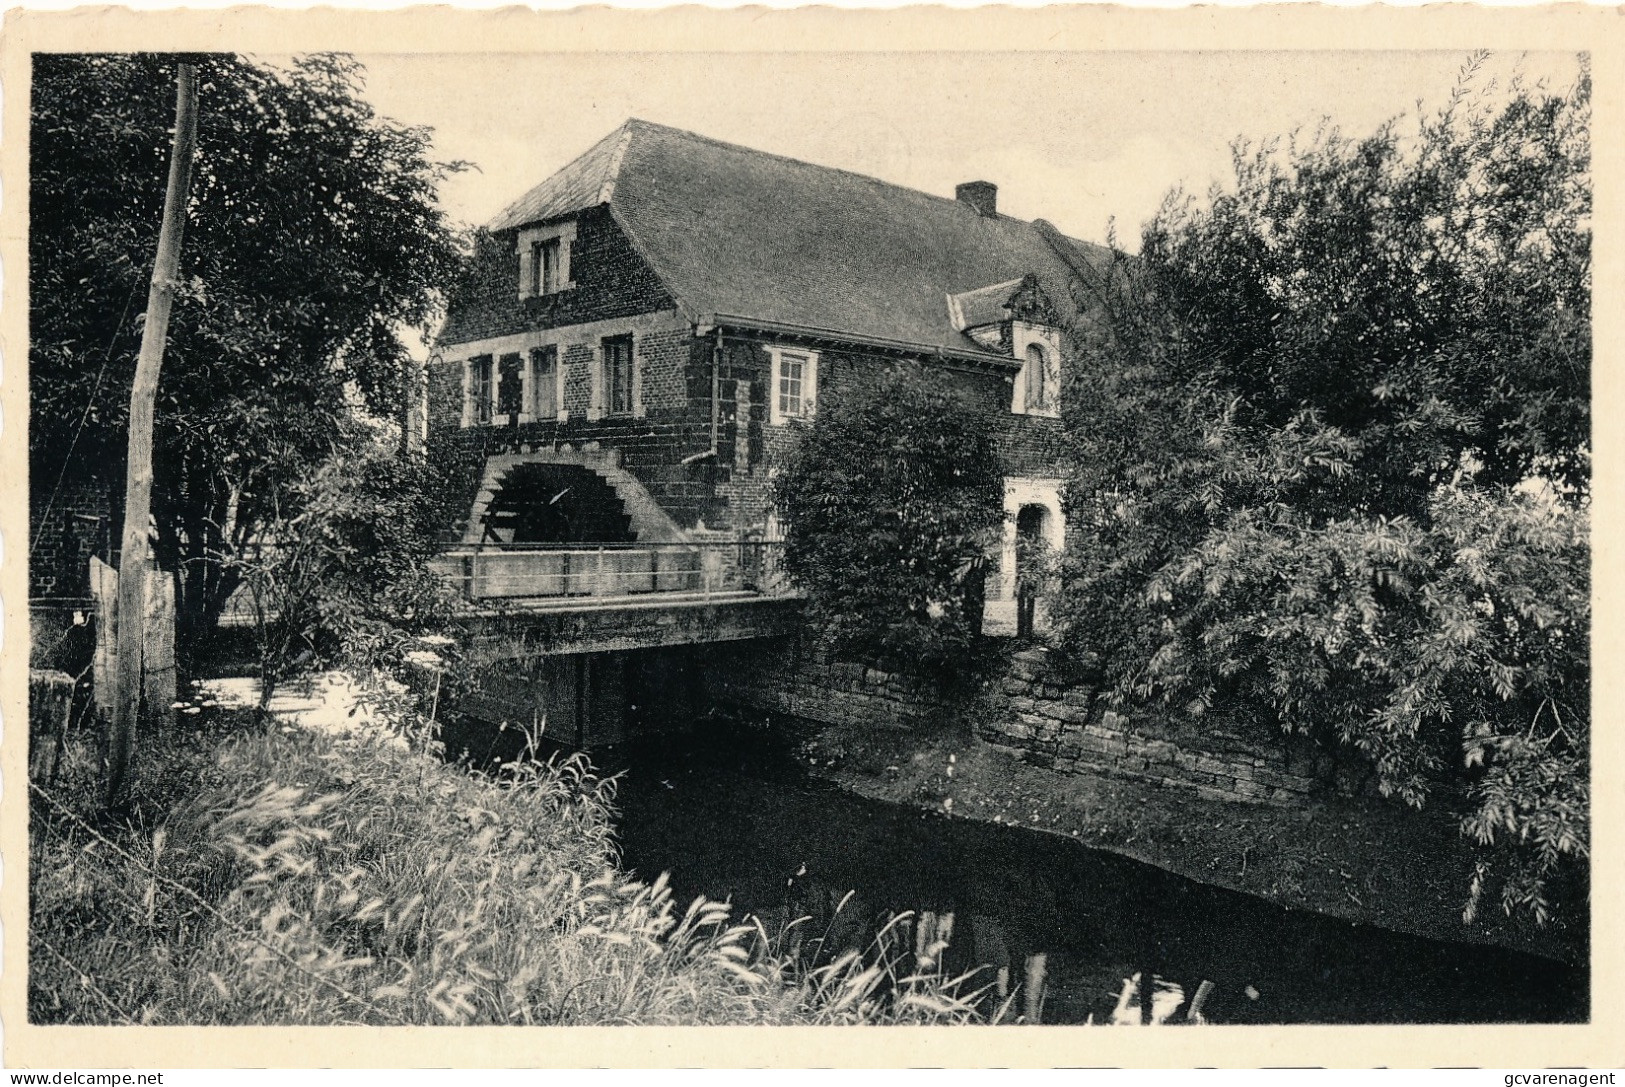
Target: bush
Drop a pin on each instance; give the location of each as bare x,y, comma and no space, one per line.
341,575
1456,650
1332,457
894,500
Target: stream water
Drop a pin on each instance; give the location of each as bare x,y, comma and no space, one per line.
741,821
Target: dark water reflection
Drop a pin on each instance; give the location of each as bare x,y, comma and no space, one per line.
737,820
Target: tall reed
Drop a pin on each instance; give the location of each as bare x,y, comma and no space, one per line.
268,875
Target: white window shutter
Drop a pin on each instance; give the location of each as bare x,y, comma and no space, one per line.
559,384
637,379
525,270
595,370
776,359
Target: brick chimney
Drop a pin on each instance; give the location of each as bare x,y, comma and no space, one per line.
981,195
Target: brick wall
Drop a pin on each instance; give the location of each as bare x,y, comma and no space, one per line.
651,445
743,483
1029,445
664,359
1025,708
651,449
63,537
577,360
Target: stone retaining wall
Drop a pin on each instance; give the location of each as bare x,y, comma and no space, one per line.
1064,728
1025,708
788,677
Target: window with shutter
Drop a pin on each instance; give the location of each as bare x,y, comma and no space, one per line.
479,389
510,390
544,382
1038,379
618,375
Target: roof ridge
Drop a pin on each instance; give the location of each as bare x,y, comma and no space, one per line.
619,132
1064,246
819,166
613,174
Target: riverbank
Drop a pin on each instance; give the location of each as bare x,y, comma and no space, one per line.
320,864
1360,860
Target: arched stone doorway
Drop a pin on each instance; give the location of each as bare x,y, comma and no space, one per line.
1032,511
1032,542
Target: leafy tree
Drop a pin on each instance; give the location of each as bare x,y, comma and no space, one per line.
313,238
894,499
340,574
1332,443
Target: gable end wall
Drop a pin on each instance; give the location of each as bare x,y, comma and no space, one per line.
611,280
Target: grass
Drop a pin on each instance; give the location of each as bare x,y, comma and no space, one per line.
262,874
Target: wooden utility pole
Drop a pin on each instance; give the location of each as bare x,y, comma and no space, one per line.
132,570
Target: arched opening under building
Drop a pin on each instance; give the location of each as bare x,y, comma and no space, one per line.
538,503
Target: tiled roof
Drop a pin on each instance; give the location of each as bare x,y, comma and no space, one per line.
743,233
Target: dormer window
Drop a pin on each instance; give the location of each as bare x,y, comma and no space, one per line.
1016,319
544,266
544,260
1038,385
